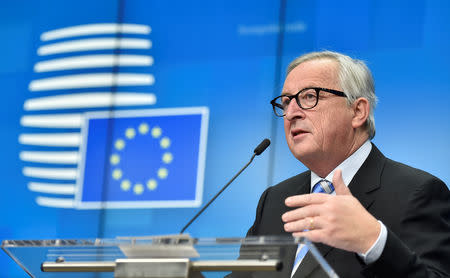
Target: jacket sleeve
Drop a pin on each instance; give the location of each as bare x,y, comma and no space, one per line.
422,248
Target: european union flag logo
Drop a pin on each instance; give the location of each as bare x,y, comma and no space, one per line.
143,158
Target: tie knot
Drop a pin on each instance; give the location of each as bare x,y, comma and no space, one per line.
323,186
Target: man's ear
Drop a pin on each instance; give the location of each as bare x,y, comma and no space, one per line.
361,110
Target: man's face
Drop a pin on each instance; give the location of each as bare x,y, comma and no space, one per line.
323,133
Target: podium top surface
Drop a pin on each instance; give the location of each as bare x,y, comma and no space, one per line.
31,254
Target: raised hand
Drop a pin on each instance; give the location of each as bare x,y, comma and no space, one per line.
336,220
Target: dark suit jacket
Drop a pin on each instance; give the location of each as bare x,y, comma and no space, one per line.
412,204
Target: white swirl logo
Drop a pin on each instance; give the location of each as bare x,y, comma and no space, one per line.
76,73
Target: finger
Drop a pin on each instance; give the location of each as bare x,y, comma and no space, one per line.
305,224
302,212
315,235
306,199
339,185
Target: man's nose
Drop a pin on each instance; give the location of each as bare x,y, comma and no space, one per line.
293,111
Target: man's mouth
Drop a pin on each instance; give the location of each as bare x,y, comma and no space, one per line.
297,132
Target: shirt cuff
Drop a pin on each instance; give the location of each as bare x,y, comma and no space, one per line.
377,248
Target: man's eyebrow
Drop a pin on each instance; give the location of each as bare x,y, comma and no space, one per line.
294,92
287,93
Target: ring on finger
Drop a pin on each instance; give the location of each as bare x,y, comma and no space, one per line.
311,223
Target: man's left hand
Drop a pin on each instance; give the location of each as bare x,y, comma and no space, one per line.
336,220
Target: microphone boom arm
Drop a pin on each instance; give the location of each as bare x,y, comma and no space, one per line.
217,195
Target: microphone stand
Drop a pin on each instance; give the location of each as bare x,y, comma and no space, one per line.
217,195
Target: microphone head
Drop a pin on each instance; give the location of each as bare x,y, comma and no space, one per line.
262,146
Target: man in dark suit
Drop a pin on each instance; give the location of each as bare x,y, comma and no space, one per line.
371,216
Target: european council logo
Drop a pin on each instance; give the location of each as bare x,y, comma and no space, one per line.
75,158
154,158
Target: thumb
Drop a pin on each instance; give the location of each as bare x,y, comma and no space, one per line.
339,185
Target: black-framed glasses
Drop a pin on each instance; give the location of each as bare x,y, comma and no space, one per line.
306,98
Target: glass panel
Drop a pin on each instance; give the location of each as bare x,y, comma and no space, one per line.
30,254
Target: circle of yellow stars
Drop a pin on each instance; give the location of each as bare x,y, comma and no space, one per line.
152,183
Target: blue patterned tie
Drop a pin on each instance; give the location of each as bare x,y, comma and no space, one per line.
323,186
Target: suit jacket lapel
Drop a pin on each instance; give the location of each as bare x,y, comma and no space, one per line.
366,181
305,185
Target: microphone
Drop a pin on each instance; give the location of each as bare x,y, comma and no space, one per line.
262,146
258,150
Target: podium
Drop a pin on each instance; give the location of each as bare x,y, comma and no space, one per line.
169,256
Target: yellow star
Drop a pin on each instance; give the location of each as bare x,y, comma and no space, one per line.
162,173
138,189
152,184
167,157
165,142
115,159
130,133
119,144
143,128
156,132
117,174
125,185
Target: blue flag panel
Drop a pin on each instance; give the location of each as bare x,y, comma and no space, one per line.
143,158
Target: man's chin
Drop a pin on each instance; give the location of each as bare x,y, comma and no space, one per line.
303,153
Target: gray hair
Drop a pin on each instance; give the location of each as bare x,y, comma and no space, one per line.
355,80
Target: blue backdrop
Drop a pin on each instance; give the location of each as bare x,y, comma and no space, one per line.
229,58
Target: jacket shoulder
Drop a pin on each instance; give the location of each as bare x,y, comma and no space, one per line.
293,184
403,173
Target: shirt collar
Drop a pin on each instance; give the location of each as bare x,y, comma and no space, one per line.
349,166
